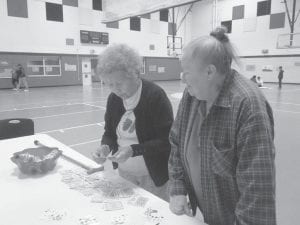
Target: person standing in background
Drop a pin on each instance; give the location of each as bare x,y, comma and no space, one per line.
21,77
280,76
14,78
253,79
259,81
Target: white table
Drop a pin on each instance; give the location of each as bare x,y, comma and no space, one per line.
24,199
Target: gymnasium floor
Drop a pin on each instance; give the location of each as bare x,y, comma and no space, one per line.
74,115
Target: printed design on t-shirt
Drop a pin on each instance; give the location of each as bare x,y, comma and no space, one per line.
128,125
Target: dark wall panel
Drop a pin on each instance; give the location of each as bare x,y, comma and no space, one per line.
97,5
227,24
171,28
66,78
54,12
70,2
164,15
172,68
135,23
17,8
238,12
277,20
146,16
263,8
113,25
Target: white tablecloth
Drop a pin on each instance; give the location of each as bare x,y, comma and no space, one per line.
24,199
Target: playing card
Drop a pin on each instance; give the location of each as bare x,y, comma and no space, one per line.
139,201
87,191
97,199
112,206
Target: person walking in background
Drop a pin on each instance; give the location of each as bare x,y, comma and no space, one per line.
259,81
21,77
14,78
222,140
280,76
253,79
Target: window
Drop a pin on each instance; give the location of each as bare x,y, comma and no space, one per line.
44,66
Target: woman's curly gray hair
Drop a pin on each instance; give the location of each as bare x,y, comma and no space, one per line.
119,57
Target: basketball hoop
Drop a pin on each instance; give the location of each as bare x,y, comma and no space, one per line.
174,46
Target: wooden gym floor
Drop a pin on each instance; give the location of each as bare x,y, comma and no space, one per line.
74,115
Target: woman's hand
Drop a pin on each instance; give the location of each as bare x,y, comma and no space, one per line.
179,205
101,153
122,154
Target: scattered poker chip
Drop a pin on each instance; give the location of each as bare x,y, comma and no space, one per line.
88,220
54,215
153,216
120,219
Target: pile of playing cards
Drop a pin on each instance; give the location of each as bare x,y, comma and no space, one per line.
91,185
117,192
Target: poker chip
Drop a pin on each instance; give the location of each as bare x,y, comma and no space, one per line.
120,219
88,220
153,216
54,215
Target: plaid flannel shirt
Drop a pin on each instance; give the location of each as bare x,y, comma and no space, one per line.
237,170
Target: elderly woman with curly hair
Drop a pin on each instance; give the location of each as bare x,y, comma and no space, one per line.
138,119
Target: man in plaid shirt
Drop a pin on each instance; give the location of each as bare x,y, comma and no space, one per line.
222,152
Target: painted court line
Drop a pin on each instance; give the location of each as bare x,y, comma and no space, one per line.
286,111
70,128
100,107
72,100
38,107
64,114
287,103
49,106
286,90
87,142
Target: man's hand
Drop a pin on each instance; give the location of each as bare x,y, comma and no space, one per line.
101,153
179,205
122,154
